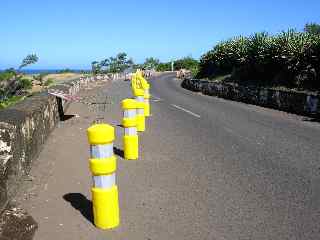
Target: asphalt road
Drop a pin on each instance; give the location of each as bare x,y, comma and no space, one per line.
208,169
255,171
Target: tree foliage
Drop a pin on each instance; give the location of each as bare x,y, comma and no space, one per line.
95,67
162,67
13,82
28,60
116,64
151,63
188,63
7,75
66,70
312,28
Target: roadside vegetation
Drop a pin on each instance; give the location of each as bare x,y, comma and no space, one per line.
16,85
121,62
290,59
116,64
186,63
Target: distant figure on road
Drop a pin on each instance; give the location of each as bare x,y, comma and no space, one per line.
147,73
183,73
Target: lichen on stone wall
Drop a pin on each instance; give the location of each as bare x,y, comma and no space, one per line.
6,151
296,102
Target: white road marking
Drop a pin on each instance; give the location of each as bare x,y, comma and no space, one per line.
185,110
242,137
156,98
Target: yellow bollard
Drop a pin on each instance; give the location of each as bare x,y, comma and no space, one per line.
136,85
140,89
129,122
141,123
144,86
103,165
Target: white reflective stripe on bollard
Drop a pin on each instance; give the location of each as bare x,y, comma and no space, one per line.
140,111
101,151
129,113
140,98
130,131
104,181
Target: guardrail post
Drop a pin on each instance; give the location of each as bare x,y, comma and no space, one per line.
129,122
103,167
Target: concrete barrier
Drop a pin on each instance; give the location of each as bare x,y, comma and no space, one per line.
290,101
24,129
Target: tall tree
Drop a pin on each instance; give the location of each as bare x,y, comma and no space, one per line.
151,63
95,67
186,63
117,64
28,60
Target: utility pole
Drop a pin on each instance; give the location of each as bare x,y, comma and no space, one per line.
172,63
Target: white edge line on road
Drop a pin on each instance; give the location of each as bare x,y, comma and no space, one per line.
185,110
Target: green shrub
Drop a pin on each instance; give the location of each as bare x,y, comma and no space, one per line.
10,101
290,58
66,70
186,63
40,78
49,82
25,83
162,67
7,75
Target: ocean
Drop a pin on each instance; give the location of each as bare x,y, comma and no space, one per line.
38,71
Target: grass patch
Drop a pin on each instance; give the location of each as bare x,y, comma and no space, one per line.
11,101
59,77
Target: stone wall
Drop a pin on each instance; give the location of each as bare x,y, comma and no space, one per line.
289,101
24,129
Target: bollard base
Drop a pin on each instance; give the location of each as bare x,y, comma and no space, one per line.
105,207
131,147
141,123
147,110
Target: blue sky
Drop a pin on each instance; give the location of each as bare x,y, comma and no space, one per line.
73,33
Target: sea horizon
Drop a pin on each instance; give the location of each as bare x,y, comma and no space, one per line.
38,71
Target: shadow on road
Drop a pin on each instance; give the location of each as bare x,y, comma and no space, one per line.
67,117
312,119
118,152
80,203
63,117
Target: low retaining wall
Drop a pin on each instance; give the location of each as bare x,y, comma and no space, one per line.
24,129
289,101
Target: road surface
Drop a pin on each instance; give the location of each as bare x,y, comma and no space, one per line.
209,169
